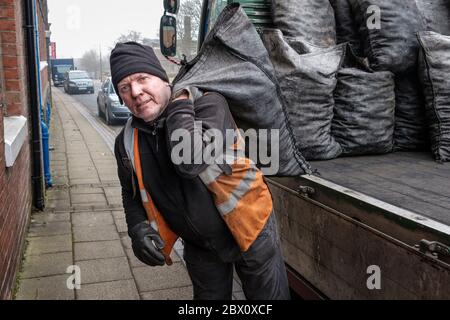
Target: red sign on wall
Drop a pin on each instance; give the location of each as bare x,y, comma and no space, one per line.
53,50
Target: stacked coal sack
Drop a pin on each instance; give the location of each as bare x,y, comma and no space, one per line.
306,60
346,28
364,118
305,52
434,70
334,109
388,29
307,77
436,15
364,113
311,20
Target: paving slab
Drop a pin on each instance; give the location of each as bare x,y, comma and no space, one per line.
46,265
74,190
118,214
46,288
111,171
134,262
49,228
98,250
114,290
114,195
103,270
57,156
121,225
40,217
109,178
58,203
61,162
82,174
53,244
105,162
182,293
63,172
58,194
77,165
90,219
84,181
126,241
57,181
165,277
96,233
88,198
101,155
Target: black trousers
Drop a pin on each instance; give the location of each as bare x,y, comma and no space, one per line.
261,270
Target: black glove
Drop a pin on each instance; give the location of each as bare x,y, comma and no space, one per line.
146,244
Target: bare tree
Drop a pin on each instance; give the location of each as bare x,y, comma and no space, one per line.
106,70
131,36
193,10
188,24
90,62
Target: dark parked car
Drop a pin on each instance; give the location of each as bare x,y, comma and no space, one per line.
109,106
78,81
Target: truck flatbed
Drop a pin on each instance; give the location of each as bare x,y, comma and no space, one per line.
409,180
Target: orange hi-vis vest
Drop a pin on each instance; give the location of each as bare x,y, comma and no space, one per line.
131,142
241,196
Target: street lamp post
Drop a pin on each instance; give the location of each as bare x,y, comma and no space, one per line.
101,64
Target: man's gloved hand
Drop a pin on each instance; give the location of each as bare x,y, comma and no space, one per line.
146,244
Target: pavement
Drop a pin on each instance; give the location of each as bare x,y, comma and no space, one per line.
81,237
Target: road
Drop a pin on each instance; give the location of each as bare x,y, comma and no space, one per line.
89,101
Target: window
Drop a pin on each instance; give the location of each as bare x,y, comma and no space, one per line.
111,88
78,75
188,26
62,69
214,9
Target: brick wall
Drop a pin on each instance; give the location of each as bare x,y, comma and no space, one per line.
15,182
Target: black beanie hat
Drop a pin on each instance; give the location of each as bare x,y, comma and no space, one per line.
132,57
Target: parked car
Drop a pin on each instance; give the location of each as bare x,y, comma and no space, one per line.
76,81
109,106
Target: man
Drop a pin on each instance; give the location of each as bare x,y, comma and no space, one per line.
222,211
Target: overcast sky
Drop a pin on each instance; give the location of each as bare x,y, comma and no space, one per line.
80,25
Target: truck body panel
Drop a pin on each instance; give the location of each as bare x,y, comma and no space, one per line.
59,69
334,252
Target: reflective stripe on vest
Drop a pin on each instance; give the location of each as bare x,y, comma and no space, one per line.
131,143
242,197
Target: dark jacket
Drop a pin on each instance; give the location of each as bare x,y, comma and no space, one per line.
178,193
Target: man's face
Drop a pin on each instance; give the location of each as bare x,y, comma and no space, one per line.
145,95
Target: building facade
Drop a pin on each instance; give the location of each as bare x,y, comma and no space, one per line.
18,111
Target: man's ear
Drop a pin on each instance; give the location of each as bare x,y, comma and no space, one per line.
168,85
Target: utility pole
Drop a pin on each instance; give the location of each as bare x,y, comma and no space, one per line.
101,64
187,39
